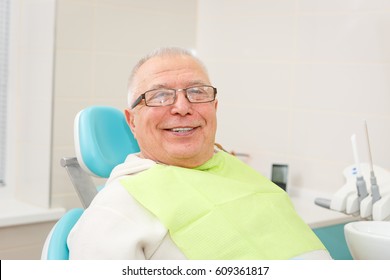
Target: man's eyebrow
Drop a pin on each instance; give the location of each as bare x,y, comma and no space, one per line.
190,84
158,86
197,82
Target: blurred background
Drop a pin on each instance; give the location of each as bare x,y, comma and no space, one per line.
295,79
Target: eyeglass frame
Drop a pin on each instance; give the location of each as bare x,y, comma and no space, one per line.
142,96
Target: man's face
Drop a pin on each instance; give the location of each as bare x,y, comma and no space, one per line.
182,134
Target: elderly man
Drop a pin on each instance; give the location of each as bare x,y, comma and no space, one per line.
180,197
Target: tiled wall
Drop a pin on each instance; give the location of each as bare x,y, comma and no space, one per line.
296,79
97,44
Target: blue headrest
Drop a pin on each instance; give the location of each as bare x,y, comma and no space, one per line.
102,139
58,249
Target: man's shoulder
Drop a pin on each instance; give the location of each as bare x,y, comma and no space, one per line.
132,165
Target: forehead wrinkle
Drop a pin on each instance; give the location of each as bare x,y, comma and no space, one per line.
188,84
163,68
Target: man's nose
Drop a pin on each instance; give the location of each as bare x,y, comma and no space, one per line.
181,106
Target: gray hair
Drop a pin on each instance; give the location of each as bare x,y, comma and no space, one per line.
163,51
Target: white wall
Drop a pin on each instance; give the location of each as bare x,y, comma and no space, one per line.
295,79
97,44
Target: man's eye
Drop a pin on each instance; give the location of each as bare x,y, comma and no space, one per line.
197,94
196,91
160,95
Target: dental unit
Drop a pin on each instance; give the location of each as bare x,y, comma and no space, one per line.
374,186
354,198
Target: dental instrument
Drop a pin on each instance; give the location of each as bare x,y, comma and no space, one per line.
323,202
360,182
353,197
374,186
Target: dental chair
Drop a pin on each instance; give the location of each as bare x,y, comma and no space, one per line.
102,141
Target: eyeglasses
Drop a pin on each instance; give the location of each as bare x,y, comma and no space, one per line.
165,96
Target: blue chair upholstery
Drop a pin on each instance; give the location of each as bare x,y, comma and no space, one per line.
102,141
56,247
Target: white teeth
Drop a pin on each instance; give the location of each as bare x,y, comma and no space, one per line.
181,129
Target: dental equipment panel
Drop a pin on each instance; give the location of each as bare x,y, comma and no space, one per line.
279,175
354,198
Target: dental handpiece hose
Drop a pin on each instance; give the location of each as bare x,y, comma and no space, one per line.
360,182
361,188
374,186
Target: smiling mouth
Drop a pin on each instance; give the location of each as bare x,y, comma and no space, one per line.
181,129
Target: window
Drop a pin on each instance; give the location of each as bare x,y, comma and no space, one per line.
4,31
29,65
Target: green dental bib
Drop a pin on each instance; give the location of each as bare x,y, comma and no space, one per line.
223,209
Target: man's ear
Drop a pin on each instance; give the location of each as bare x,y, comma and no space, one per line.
130,119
